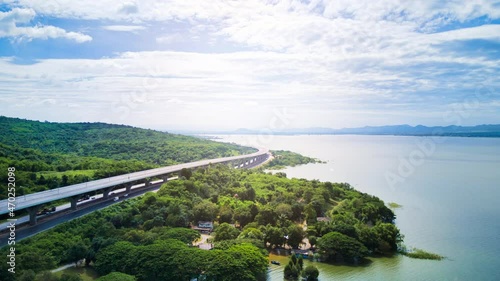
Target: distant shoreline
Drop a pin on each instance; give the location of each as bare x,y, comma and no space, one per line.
352,134
487,131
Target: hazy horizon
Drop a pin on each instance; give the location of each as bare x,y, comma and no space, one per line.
257,130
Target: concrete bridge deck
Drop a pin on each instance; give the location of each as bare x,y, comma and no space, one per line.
33,201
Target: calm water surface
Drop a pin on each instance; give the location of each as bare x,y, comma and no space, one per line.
450,197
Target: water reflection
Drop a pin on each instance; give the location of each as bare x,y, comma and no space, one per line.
377,268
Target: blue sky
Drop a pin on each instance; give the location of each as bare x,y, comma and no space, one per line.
242,64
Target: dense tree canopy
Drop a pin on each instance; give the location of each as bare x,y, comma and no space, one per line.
336,246
140,235
117,276
49,155
284,158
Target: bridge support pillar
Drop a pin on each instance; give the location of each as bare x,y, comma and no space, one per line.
128,188
32,212
105,193
74,201
147,183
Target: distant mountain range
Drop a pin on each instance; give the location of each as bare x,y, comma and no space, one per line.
400,130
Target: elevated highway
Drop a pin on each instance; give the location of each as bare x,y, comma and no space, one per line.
33,202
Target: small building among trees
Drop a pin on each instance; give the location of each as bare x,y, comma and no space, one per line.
205,227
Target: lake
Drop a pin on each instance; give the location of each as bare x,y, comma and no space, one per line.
449,189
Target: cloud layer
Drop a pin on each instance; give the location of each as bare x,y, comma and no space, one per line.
329,63
13,24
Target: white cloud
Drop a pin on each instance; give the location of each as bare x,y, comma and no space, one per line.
206,88
170,38
12,25
124,28
487,32
371,57
129,8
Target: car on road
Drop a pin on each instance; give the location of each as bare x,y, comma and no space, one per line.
116,198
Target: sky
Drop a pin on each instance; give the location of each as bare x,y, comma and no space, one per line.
275,65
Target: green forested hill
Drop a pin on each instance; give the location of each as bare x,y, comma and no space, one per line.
110,141
48,155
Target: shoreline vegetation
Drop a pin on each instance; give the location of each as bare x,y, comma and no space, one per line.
416,253
252,213
284,158
394,205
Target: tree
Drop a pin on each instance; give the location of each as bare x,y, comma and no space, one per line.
273,235
313,240
117,276
300,262
346,229
284,210
185,235
36,260
310,214
295,236
225,214
243,215
293,268
70,277
177,215
27,275
189,263
225,231
251,233
116,258
64,179
248,194
76,252
251,257
368,237
266,216
186,173
335,246
311,273
224,267
297,210
388,236
205,211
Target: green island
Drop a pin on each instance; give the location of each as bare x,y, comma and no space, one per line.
241,215
283,158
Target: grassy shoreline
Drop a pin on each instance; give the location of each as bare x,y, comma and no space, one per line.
416,253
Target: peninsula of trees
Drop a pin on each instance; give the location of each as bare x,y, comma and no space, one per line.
285,158
252,211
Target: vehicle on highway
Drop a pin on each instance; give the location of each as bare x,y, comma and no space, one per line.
116,199
46,211
83,198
